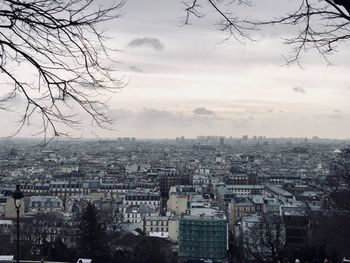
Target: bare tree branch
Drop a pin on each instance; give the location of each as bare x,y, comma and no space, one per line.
228,21
322,24
59,44
264,240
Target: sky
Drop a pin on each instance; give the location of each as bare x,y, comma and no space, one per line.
188,81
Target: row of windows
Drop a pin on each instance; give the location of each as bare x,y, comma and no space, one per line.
46,204
145,198
141,202
65,189
115,187
157,229
244,208
55,191
65,186
133,221
157,223
202,228
134,215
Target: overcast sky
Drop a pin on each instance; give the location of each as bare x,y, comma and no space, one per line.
184,81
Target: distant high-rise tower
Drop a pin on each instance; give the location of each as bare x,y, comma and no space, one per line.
245,138
222,141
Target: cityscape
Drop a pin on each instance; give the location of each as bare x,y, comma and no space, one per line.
210,199
162,131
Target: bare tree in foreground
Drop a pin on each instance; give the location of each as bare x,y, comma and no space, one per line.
53,56
264,240
321,24
339,179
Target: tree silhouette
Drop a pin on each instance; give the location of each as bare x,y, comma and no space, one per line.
57,43
332,230
321,24
92,238
265,240
339,179
143,249
340,167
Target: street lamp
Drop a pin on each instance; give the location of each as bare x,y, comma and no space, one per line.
17,196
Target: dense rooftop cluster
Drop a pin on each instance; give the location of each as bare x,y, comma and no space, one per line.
204,195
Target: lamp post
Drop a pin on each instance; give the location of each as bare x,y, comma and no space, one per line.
17,197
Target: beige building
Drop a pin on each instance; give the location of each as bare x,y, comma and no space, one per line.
156,224
240,207
177,203
8,209
173,226
168,226
180,196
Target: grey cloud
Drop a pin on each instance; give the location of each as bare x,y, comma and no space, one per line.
155,114
89,86
250,111
121,114
136,69
336,117
154,43
258,112
332,116
299,90
203,111
337,111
